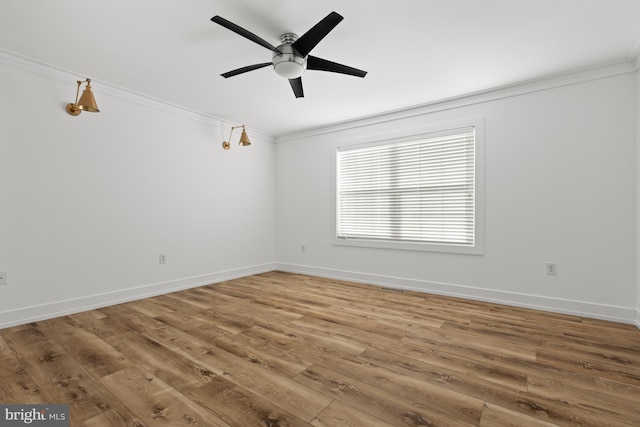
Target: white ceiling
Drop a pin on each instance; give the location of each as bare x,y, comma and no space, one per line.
416,51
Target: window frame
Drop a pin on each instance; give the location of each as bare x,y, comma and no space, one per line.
422,132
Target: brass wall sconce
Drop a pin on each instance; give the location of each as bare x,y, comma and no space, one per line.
244,138
86,102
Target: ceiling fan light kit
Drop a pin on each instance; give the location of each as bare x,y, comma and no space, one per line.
291,58
287,62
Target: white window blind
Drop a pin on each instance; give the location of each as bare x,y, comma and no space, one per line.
420,191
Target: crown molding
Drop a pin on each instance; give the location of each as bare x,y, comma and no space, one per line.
501,92
631,65
65,76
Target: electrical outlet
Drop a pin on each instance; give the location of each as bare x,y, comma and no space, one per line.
162,258
3,277
552,269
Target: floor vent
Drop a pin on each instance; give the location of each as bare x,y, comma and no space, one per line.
396,290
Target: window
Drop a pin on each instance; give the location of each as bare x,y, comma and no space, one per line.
418,192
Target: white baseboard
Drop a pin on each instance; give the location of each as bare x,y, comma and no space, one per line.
577,308
24,315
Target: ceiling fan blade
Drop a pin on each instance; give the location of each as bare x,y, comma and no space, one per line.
245,69
311,38
296,85
244,33
315,63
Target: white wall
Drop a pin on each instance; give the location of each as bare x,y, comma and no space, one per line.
560,185
638,189
88,203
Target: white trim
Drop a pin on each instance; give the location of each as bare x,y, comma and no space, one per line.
44,69
52,72
556,305
501,92
65,307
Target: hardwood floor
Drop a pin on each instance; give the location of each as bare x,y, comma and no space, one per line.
281,349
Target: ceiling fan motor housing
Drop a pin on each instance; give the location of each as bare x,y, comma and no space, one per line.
289,64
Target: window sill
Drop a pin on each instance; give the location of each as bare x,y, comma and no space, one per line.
410,246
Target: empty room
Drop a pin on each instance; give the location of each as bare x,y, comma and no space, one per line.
321,213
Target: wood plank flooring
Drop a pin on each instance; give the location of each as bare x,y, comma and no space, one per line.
281,349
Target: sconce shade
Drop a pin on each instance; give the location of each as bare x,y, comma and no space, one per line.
87,102
244,138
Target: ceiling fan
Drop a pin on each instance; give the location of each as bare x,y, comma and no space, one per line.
291,58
